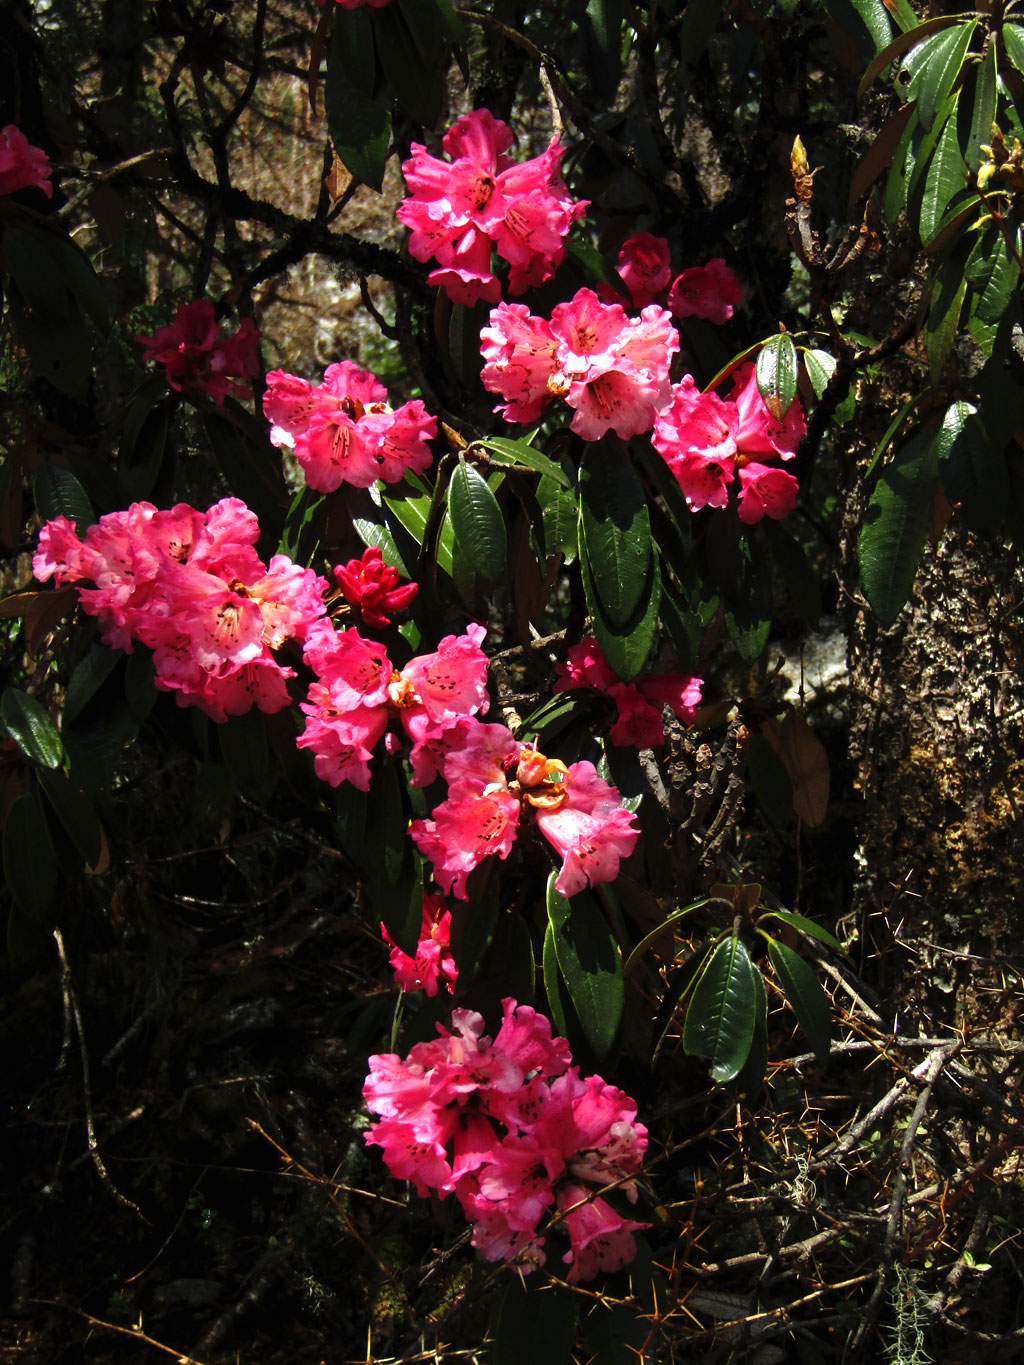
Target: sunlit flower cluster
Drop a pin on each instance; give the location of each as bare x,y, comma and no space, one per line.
709,291
639,704
191,587
514,1131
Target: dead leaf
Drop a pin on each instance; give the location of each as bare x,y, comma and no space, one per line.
806,762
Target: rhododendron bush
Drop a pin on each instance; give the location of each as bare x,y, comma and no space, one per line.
452,509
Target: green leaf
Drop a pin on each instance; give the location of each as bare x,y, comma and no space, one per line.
615,529
358,114
654,934
776,374
533,1322
89,676
820,368
476,520
984,110
554,987
945,178
992,269
1013,40
31,728
76,813
387,820
901,171
303,526
626,649
420,85
804,992
806,926
944,312
801,578
51,270
680,983
521,452
594,264
972,469
723,1010
751,1077
896,527
411,511
250,464
30,860
903,42
590,964
941,67
59,494
244,748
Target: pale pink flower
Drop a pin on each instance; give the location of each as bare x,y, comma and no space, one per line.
433,961
458,209
198,357
600,1238
521,359
344,431
766,491
709,291
22,165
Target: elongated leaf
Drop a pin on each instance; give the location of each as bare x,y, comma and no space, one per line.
411,511
805,925
615,529
31,728
804,992
722,1013
521,452
419,85
992,270
594,264
820,367
245,751
776,374
902,43
984,111
972,469
30,860
750,1079
901,171
626,649
941,68
589,961
554,986
876,20
945,178
648,939
76,813
896,527
358,113
944,315
250,464
678,987
1013,40
59,494
476,520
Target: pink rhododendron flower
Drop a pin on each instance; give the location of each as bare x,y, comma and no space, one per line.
197,356
358,693
433,961
709,291
515,1133
639,703
496,784
458,209
22,164
709,441
372,586
343,431
645,267
613,370
191,587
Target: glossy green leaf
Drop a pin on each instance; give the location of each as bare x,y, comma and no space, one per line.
680,983
896,527
411,511
303,526
28,724
76,813
992,269
973,470
1013,40
943,323
477,522
59,494
521,452
53,274
946,177
776,374
820,367
419,84
984,110
941,67
625,648
722,1013
91,672
615,529
903,42
358,113
804,992
750,1080
561,519
648,939
144,445
554,986
30,860
806,926
594,264
901,171
590,964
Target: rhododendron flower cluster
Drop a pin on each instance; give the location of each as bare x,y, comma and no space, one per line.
359,692
343,431
433,961
709,441
22,164
613,370
458,210
708,291
191,586
638,703
514,1131
372,587
198,357
496,786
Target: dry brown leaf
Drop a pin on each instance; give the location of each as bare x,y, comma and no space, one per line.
806,762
